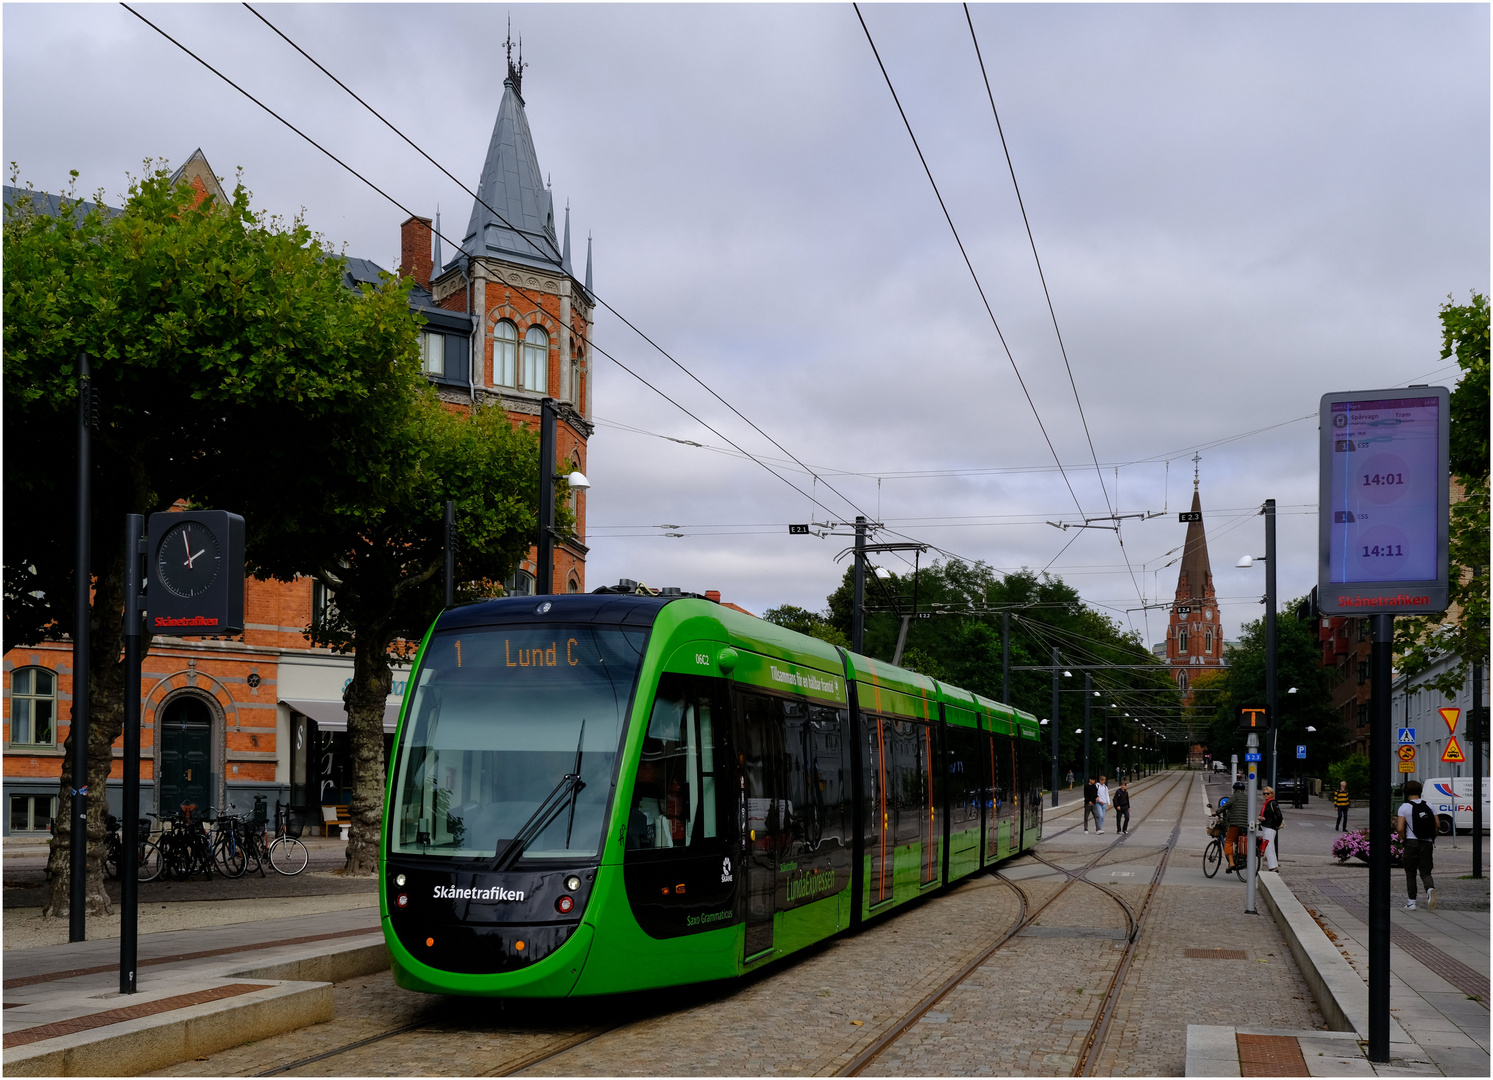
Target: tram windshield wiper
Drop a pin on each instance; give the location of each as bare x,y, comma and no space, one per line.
569,786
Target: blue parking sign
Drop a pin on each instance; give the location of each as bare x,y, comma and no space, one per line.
1300,751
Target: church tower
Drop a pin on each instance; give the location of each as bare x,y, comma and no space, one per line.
533,325
1194,638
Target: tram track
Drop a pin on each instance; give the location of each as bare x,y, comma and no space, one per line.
1028,913
1027,918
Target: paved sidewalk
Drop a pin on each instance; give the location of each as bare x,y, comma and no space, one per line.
200,990
1439,960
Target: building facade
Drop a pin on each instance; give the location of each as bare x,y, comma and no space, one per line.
1418,708
261,714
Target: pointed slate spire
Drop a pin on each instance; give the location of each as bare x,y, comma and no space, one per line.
520,226
437,259
1195,576
565,251
589,294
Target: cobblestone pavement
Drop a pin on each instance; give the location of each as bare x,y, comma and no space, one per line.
1027,1010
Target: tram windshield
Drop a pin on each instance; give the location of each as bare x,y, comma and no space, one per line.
500,717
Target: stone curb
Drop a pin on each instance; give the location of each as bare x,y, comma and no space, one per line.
152,1043
135,1047
1341,994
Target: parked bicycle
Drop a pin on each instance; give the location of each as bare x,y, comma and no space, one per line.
148,857
186,848
287,855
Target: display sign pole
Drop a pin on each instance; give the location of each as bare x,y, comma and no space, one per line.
82,613
1383,528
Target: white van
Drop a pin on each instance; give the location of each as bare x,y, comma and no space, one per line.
1448,795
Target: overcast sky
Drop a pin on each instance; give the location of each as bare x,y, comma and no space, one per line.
1237,209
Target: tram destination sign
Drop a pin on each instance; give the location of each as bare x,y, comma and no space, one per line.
1382,519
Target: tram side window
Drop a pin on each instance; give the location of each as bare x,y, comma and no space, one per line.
676,801
814,741
910,776
964,778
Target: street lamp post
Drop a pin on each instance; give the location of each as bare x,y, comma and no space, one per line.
544,579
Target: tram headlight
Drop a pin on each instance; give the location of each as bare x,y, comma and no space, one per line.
399,880
402,900
572,883
564,905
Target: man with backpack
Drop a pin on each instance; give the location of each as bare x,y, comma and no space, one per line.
1417,831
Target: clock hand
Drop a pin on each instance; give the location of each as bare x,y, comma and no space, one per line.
189,563
187,543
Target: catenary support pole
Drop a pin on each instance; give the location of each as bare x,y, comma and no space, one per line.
1271,660
1380,660
1054,723
450,545
1005,658
858,601
545,579
134,617
1088,696
1479,728
82,612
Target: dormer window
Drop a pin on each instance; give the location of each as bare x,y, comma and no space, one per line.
432,353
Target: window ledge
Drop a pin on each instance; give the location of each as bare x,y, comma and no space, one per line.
30,750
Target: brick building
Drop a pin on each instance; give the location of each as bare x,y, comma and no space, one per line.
225,720
1194,636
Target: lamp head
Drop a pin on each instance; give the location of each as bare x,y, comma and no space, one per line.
1245,562
578,481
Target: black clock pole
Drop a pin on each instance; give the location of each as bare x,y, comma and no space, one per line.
134,615
82,612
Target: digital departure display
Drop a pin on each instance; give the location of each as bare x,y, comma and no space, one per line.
1384,501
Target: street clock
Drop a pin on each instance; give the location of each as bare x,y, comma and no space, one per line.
196,574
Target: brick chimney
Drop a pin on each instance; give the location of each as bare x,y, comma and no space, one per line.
713,594
414,251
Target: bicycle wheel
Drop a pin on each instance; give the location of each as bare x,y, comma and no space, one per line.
1212,857
111,863
149,866
288,856
231,855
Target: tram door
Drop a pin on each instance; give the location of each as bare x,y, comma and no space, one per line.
766,815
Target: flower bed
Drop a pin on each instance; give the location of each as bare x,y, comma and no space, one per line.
1355,845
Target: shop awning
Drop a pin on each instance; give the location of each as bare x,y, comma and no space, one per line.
331,716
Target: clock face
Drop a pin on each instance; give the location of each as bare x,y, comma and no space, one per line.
188,559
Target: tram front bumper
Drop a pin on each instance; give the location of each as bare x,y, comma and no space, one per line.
553,975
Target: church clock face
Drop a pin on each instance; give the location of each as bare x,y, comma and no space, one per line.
188,559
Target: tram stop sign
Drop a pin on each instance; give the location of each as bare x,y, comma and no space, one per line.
1253,717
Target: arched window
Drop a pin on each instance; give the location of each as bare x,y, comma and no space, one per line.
504,353
536,360
1182,681
33,705
519,583
1208,641
575,374
1182,639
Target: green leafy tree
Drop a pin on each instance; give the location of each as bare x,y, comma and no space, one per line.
1355,769
962,644
1463,631
806,622
224,349
369,524
1298,664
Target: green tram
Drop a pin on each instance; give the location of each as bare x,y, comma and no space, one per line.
599,793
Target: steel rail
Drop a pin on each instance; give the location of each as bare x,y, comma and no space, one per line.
1099,1030
857,1064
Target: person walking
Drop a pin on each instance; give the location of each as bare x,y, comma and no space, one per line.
1271,820
1340,800
1090,795
1418,821
1122,809
1236,820
1070,779
1101,802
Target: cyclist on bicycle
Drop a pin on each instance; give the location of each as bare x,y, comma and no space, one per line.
1236,821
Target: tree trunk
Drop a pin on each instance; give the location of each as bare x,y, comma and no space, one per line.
365,699
105,723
